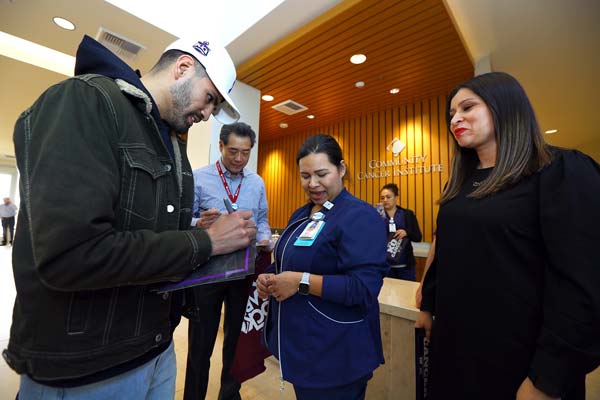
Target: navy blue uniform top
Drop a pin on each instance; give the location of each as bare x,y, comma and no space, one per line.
334,339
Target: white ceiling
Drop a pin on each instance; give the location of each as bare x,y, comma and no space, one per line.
551,46
22,83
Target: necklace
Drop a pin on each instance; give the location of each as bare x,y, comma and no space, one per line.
480,175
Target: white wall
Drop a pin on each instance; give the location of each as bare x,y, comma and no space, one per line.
247,99
199,143
9,181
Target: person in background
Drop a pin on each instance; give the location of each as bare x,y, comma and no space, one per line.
323,321
227,178
8,211
106,198
514,286
403,225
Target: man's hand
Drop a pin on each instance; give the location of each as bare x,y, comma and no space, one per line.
527,391
231,232
207,218
264,246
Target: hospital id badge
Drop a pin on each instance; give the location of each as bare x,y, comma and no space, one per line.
392,226
310,233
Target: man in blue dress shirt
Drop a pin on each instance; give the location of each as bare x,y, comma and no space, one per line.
227,178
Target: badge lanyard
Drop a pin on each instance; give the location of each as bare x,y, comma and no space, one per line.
233,197
392,225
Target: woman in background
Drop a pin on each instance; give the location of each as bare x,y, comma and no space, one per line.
323,321
515,283
402,227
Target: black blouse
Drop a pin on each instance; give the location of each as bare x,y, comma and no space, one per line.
515,286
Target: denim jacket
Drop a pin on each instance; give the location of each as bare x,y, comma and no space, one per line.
105,213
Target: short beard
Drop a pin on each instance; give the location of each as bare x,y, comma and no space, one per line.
180,100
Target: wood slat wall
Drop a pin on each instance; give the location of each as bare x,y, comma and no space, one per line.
420,125
411,45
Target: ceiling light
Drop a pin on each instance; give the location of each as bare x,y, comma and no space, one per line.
550,131
283,125
310,116
358,59
359,84
395,91
35,54
64,23
268,97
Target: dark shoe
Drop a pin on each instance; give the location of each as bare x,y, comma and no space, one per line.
2,244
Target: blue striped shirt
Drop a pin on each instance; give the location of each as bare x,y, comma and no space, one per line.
209,193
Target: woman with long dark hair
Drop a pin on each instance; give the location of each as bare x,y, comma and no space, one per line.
515,284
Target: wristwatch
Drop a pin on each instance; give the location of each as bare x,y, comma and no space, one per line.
304,286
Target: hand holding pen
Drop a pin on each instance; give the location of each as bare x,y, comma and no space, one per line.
207,217
232,231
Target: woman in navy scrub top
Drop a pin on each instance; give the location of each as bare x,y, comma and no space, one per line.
515,283
402,222
323,321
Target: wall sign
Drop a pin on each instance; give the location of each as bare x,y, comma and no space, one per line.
399,166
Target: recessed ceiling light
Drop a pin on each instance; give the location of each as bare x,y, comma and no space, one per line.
358,59
550,131
283,125
310,116
268,97
64,23
394,91
359,84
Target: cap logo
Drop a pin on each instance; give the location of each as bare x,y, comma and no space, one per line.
202,48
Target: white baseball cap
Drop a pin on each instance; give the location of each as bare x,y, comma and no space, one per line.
219,68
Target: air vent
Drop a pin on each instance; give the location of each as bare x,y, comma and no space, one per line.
118,44
290,107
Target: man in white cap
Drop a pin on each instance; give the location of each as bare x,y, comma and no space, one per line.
107,194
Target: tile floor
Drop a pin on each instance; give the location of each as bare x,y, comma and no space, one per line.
263,387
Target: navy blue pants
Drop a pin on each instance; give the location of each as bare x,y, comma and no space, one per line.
406,273
353,391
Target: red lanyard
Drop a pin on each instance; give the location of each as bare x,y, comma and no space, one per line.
234,197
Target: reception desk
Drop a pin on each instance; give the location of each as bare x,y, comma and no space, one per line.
396,378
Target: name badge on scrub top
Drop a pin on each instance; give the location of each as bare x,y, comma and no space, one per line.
310,233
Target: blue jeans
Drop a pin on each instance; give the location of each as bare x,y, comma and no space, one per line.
154,380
